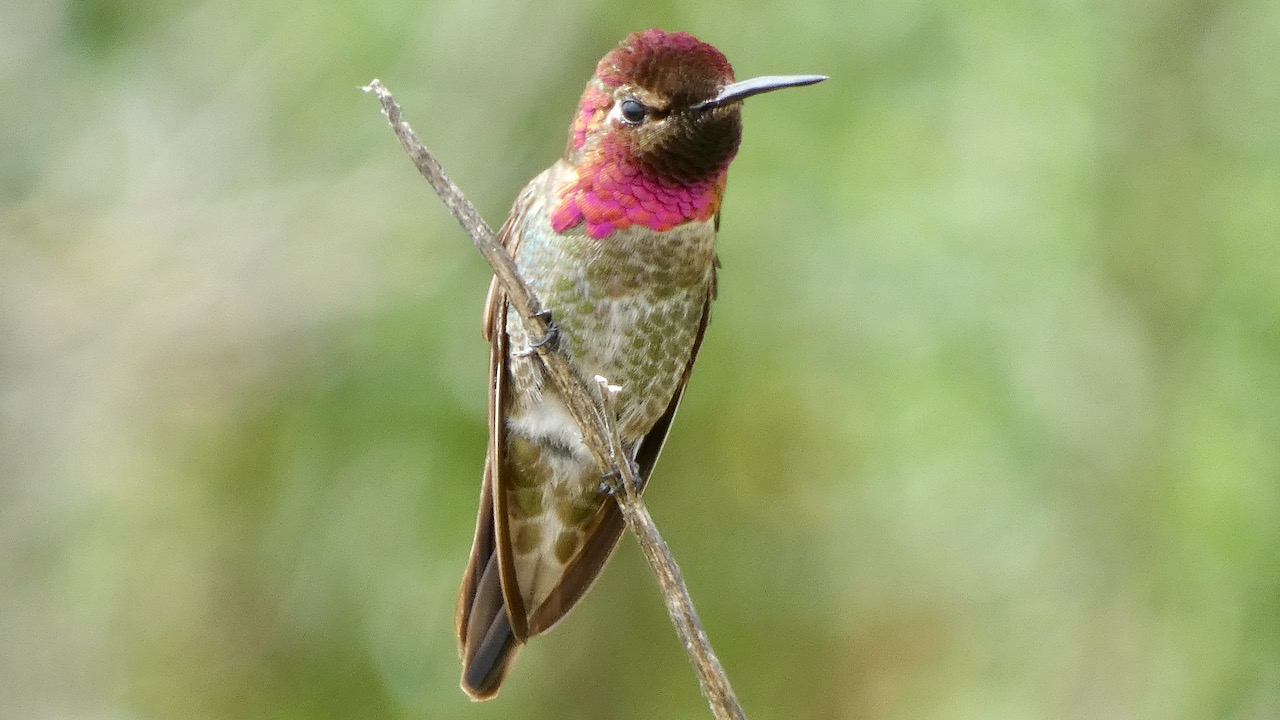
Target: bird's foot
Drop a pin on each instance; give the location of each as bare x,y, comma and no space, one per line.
549,340
611,482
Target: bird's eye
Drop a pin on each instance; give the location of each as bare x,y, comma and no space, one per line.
633,111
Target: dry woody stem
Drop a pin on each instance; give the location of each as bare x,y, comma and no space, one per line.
593,410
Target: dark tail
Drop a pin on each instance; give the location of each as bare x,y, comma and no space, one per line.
484,631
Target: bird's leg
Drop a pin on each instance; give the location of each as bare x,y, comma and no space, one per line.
549,340
611,482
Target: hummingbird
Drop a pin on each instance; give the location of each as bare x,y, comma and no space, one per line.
617,241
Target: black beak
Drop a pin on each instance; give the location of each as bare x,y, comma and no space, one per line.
746,88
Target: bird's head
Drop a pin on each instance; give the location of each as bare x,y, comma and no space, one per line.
656,128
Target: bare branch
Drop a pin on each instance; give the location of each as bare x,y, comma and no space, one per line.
519,295
596,418
711,675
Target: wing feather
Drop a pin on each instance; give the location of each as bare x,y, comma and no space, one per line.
488,633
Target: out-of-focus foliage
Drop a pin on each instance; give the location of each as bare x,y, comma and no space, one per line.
987,424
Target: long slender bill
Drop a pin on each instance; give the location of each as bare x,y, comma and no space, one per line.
746,88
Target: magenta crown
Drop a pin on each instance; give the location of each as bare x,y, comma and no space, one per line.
674,63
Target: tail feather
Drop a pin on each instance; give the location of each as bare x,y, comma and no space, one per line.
485,671
488,644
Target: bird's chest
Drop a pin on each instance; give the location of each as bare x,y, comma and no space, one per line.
629,307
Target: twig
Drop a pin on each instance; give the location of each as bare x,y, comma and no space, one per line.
596,419
711,675
519,295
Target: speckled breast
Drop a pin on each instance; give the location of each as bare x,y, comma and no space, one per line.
628,306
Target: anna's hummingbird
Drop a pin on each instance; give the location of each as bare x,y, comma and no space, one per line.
617,240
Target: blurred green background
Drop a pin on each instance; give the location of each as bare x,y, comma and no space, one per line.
987,424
